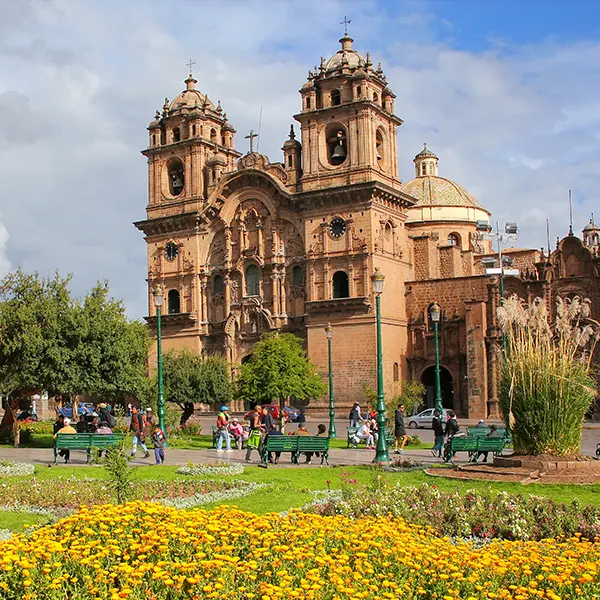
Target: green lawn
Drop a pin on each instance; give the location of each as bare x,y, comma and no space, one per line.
16,521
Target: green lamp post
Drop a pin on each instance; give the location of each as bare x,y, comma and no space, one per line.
329,333
435,311
158,302
381,453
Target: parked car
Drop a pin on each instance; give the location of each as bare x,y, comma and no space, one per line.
424,419
84,408
291,413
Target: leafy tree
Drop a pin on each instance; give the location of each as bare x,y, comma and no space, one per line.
279,369
190,378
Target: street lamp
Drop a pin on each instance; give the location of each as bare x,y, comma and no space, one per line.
329,334
381,454
435,311
158,302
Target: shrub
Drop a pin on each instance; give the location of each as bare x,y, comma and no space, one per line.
545,385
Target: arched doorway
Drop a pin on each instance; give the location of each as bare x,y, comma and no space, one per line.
428,380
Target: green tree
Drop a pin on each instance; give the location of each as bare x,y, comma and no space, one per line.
190,378
279,369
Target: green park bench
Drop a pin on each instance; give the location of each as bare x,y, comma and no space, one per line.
86,441
473,445
351,433
484,431
295,444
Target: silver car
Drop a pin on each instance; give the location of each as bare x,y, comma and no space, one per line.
424,419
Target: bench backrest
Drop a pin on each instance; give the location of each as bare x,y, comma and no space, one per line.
282,443
464,443
87,440
312,443
484,431
487,444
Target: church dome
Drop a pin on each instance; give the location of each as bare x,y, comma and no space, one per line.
432,190
191,97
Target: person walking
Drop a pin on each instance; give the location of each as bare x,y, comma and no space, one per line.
137,427
438,432
223,430
400,430
256,431
355,416
158,439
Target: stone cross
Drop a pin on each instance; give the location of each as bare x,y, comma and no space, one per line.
251,138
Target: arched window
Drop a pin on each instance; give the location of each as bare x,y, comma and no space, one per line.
252,284
396,372
375,98
341,287
176,134
218,285
290,161
453,239
379,146
193,131
297,275
173,302
336,144
154,139
336,98
213,135
176,177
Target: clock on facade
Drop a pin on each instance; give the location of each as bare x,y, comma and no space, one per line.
171,251
337,227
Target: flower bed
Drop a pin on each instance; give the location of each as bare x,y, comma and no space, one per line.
218,468
15,469
71,493
145,551
465,515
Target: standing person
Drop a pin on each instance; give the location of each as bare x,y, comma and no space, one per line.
273,432
267,419
355,416
65,429
438,432
137,427
452,427
400,430
256,430
158,439
223,427
105,415
148,423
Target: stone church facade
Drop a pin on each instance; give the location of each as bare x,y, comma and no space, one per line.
242,246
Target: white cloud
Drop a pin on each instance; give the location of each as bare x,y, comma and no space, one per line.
79,82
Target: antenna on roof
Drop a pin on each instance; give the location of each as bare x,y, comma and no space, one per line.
570,215
259,124
548,235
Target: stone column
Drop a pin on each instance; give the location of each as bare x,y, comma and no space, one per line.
275,286
227,307
259,231
351,285
327,291
282,295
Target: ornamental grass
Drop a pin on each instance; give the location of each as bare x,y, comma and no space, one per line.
546,382
144,551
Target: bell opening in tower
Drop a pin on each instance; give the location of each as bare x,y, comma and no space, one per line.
176,177
336,145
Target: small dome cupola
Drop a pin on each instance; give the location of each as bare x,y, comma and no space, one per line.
591,236
426,163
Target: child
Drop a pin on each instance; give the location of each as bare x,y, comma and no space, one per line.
158,438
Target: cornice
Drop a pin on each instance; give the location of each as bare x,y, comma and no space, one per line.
360,304
181,222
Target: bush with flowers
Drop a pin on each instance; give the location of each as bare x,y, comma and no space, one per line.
216,468
474,514
144,551
15,469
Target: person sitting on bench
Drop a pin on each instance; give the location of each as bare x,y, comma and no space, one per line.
66,454
494,433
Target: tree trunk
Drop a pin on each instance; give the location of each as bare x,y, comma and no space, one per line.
9,420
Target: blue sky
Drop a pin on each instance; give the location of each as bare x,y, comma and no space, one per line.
506,93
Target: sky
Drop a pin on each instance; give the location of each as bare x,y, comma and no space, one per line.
507,93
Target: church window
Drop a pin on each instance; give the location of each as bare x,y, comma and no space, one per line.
213,135
297,276
308,103
336,98
341,286
193,131
218,285
176,177
154,139
379,147
453,239
173,305
424,169
375,98
336,145
290,162
396,372
176,134
252,283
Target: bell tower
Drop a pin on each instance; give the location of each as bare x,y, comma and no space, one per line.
348,123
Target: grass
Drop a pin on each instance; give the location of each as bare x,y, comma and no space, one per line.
17,521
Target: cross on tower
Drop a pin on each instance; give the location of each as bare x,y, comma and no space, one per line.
345,23
251,137
190,65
